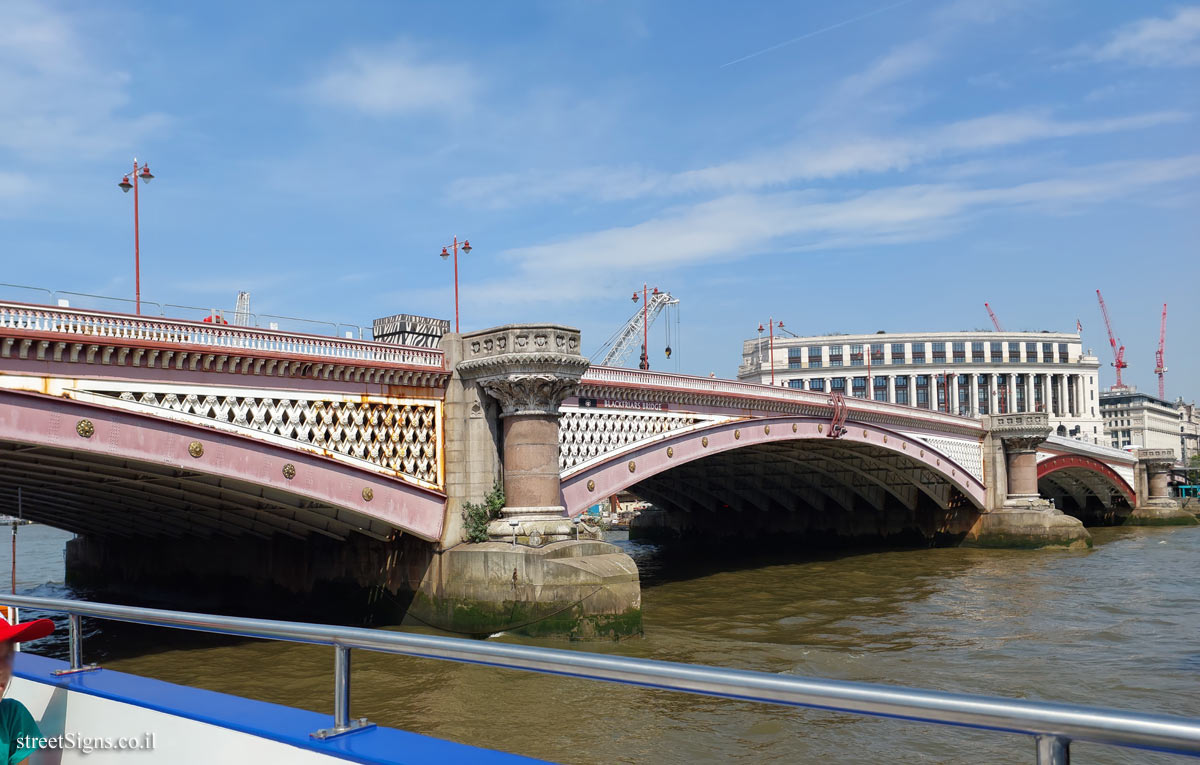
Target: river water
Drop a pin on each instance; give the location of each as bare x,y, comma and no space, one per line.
1116,626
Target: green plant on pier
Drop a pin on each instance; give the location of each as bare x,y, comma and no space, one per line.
477,516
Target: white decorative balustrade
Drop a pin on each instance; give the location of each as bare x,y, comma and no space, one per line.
115,326
682,384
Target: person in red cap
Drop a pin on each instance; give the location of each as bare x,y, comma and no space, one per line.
16,724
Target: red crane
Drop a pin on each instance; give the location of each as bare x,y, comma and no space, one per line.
1159,369
1118,353
994,319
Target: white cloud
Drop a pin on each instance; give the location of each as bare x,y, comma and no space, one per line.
736,225
797,162
1154,42
394,79
58,98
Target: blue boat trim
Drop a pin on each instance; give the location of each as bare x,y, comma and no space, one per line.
287,725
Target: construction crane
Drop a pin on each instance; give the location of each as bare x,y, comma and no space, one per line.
995,321
241,312
618,347
1159,368
1118,353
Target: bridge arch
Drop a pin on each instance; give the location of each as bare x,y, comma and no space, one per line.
97,470
1084,486
867,463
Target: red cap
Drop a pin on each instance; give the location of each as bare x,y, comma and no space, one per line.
19,633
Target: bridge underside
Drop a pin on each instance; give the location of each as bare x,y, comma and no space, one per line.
97,494
1087,495
817,492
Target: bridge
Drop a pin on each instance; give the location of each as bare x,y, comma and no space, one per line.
186,451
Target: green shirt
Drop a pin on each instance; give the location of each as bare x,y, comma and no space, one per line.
16,723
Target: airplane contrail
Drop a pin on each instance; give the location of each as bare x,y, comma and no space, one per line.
829,28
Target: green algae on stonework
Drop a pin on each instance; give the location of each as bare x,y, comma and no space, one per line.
1024,542
560,620
1171,520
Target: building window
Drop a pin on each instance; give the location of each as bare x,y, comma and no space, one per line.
1062,353
902,389
923,391
1020,392
835,355
876,353
838,384
796,384
860,387
939,353
963,383
816,385
918,351
997,352
856,355
1031,353
984,402
1002,404
976,351
897,353
1014,353
1047,353
960,352
814,357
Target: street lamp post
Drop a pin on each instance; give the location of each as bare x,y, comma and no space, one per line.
125,186
645,362
771,324
466,247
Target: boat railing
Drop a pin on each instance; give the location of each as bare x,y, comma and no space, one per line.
1053,725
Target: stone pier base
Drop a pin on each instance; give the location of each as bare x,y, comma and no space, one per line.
1033,526
1161,512
577,590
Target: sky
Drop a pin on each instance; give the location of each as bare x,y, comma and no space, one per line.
843,167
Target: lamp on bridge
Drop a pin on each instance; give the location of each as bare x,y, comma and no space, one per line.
771,324
125,186
445,253
645,298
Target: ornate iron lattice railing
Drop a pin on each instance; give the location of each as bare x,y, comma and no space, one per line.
586,433
100,324
399,435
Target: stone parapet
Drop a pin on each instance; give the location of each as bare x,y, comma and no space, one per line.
527,368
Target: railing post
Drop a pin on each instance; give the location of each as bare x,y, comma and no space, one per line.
342,724
341,687
75,641
75,648
1053,750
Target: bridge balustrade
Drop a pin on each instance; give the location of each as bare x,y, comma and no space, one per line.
100,324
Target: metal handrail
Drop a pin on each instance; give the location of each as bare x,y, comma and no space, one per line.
1054,725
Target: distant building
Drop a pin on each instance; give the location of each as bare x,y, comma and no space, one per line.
988,372
1139,420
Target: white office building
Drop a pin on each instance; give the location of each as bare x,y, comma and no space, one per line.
966,373
1141,421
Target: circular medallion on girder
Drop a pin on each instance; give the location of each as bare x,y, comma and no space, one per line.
704,441
591,485
85,428
196,449
632,466
368,493
820,428
766,430
670,451
864,434
289,471
737,434
793,427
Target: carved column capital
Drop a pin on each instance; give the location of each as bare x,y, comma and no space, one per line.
1156,460
1021,433
528,368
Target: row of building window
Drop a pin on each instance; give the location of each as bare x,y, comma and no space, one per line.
836,357
921,385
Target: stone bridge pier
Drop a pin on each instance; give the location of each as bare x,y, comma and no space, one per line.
1016,515
539,573
1155,506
